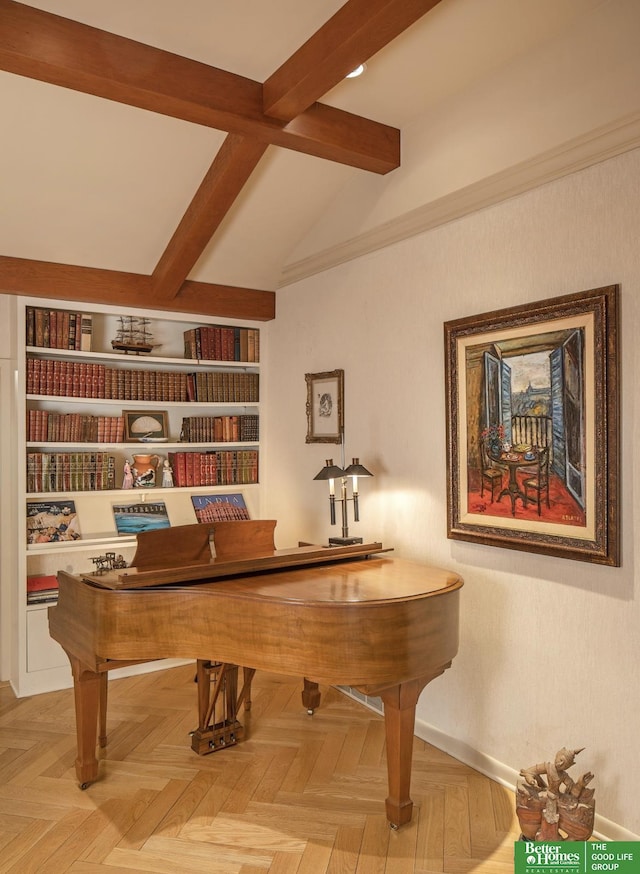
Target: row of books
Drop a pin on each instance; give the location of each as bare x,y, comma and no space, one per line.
56,378
222,467
222,343
70,471
82,379
68,329
49,427
220,429
96,471
58,329
224,387
44,426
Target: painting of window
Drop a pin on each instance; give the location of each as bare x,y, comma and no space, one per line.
529,390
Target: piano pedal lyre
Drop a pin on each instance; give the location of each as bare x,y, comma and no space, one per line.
218,705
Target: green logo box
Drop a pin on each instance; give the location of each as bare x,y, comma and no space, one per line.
576,857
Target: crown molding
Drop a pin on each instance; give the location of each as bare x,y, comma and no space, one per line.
576,154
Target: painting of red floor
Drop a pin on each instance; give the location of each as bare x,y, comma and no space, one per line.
563,510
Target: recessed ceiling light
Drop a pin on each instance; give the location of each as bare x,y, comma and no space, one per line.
357,72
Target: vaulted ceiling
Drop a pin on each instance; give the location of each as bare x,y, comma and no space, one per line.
177,155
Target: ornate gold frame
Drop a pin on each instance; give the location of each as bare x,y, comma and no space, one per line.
325,406
471,344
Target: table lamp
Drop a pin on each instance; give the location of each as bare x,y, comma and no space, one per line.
332,472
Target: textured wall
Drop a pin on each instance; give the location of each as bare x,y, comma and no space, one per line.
549,647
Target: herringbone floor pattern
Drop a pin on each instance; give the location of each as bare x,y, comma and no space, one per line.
302,795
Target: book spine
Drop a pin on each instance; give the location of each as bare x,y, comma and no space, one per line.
30,326
86,331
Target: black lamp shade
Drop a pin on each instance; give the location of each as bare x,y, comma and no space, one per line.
357,469
330,471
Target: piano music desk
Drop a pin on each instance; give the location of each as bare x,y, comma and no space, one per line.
382,625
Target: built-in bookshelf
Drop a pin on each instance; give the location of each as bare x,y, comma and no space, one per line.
88,412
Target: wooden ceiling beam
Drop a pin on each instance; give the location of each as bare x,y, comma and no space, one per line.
60,282
357,31
64,52
283,112
230,170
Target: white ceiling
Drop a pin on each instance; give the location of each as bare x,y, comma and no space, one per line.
91,182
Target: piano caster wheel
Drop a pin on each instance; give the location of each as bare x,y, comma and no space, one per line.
394,826
310,711
84,786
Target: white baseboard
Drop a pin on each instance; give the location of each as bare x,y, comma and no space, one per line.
604,829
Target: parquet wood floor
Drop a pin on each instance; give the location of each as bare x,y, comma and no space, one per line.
302,795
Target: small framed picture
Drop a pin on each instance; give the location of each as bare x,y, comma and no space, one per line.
145,426
325,406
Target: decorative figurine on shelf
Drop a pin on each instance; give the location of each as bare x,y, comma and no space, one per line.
167,475
127,481
133,335
559,809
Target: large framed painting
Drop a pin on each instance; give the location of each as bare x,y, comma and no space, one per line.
533,427
325,406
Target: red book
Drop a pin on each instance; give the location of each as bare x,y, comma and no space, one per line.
42,583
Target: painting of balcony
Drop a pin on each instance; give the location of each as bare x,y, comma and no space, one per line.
526,427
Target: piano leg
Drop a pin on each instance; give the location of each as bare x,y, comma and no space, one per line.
104,693
399,720
87,689
310,696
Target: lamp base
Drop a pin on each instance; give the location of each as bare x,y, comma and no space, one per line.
344,541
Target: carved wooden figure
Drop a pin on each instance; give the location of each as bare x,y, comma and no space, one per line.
559,809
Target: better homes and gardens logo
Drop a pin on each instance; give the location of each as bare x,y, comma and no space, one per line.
577,857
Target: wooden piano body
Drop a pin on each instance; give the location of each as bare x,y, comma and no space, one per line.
346,616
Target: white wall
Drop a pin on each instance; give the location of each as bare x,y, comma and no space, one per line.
549,647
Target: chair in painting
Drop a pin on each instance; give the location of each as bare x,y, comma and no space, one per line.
534,487
491,473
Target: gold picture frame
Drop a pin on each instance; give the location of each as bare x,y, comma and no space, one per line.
533,427
145,426
325,406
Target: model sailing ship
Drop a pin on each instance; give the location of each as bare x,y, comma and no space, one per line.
133,335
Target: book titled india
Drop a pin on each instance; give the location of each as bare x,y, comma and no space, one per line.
217,508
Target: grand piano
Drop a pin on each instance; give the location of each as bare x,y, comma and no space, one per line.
346,616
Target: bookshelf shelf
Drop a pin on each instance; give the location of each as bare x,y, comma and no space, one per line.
122,402
141,361
213,399
89,544
138,447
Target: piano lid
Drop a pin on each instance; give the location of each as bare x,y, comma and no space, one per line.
132,578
